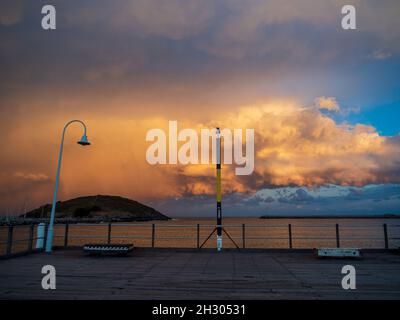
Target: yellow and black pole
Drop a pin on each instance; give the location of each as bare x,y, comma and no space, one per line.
219,196
219,227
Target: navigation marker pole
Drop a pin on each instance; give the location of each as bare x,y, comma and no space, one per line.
218,229
219,197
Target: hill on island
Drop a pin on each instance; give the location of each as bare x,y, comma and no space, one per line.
99,208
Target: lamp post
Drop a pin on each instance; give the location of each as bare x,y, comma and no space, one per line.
83,142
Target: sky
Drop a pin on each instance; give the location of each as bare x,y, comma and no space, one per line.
324,102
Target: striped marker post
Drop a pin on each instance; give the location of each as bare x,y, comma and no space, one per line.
219,197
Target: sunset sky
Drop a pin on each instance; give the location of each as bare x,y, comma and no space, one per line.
324,102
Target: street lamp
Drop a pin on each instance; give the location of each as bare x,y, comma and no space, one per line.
83,142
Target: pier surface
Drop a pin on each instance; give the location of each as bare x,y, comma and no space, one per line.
189,274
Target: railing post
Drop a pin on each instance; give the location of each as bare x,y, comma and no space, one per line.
10,239
198,236
385,232
46,226
244,235
153,234
31,231
337,236
290,236
66,235
109,233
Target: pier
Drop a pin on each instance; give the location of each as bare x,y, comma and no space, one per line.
191,274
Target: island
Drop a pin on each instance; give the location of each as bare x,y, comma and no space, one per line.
99,208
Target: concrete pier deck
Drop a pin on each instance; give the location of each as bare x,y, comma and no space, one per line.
189,274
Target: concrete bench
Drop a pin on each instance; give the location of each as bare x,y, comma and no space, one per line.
116,249
337,253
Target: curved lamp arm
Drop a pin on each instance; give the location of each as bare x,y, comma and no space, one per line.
72,121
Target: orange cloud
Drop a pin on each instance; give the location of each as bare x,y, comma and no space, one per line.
32,176
294,145
301,146
327,103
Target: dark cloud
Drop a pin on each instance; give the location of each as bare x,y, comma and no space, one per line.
122,46
354,194
298,197
378,199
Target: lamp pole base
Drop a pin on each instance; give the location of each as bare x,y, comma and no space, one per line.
219,243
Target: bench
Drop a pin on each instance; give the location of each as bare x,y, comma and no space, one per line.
116,249
337,253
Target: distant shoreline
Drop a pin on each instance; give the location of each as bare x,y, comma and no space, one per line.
394,216
101,220
332,217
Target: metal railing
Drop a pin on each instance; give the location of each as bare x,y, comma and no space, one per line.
195,235
17,242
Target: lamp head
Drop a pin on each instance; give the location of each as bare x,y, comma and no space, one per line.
84,141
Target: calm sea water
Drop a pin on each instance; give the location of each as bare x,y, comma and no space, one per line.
259,233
